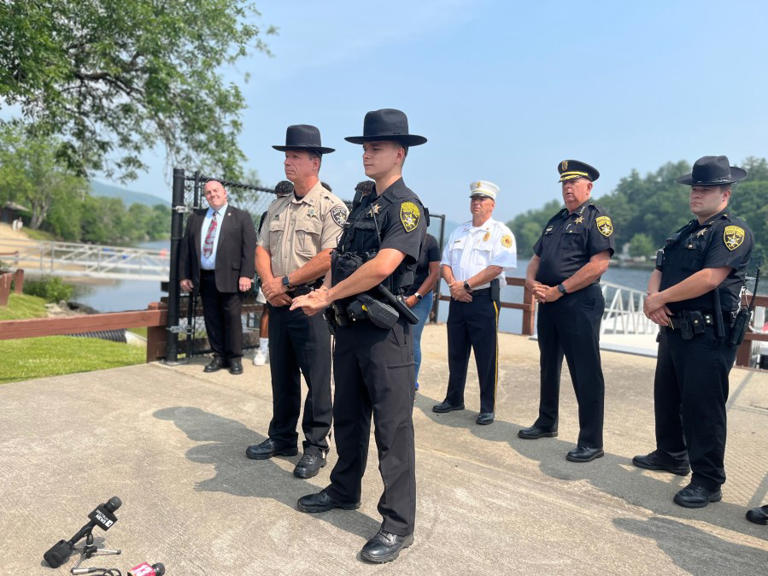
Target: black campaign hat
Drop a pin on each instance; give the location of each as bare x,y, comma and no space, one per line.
713,171
571,169
386,124
303,137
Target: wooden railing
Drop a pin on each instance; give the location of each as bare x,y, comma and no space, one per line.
744,355
528,306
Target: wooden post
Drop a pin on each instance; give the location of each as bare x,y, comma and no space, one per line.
529,312
5,287
157,336
18,283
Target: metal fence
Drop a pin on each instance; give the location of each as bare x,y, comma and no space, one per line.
186,331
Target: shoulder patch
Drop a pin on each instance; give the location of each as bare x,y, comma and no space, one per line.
733,237
604,225
339,215
506,241
409,216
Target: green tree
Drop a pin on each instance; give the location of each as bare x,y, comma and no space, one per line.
641,245
30,173
115,78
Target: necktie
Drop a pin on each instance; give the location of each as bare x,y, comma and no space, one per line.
209,236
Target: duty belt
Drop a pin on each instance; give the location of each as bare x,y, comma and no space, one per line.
303,289
690,323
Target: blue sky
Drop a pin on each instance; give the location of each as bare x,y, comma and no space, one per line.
505,90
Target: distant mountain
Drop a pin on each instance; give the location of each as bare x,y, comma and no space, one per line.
127,196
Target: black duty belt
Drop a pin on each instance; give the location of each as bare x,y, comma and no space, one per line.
481,292
690,323
303,289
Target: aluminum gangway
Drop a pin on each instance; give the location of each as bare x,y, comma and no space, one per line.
624,311
71,259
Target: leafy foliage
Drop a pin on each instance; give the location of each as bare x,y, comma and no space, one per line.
116,78
50,289
646,210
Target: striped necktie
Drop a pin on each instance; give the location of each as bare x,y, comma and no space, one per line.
210,235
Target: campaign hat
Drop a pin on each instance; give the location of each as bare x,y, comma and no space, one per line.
303,137
713,171
571,169
387,124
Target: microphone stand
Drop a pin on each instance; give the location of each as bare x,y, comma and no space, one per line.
90,549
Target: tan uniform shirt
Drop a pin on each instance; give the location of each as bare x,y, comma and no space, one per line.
297,229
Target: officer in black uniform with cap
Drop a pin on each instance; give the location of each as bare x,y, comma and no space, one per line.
373,357
574,250
694,294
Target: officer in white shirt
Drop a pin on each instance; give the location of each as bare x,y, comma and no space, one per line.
474,261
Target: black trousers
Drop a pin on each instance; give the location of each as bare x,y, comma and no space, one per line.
299,344
221,312
689,391
473,326
374,373
571,327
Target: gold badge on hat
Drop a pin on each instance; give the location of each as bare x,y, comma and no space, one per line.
564,165
604,226
506,241
409,216
733,237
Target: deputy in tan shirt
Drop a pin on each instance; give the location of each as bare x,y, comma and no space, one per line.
293,255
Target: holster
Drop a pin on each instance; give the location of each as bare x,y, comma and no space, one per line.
365,307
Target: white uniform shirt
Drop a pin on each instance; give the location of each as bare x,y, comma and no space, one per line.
471,249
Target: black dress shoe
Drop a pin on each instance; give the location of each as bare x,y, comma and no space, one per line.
697,496
444,406
485,418
270,448
235,366
322,502
584,454
660,460
309,465
216,363
385,547
758,515
535,432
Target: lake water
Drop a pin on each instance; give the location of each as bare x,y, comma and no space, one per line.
136,295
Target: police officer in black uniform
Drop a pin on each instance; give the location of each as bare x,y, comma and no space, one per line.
694,294
572,253
373,356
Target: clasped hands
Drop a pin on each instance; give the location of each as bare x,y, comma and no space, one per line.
656,309
543,293
458,292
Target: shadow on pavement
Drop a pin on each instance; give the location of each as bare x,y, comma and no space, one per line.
223,444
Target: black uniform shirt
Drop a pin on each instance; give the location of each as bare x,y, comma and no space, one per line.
397,216
722,240
430,252
569,240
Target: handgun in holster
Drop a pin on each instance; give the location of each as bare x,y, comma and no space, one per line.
366,307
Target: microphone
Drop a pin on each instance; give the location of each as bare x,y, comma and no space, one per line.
102,517
283,188
144,569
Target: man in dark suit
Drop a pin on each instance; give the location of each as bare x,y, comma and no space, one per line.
218,256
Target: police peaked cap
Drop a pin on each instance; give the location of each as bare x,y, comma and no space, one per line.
572,169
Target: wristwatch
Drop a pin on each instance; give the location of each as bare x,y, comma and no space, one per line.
562,289
419,297
467,287
286,282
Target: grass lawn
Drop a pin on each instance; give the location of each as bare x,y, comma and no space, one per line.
21,306
53,355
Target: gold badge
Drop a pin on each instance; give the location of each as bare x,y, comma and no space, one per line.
604,226
563,165
733,237
506,241
409,216
579,220
486,236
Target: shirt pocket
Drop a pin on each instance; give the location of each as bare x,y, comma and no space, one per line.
455,253
482,254
276,231
308,238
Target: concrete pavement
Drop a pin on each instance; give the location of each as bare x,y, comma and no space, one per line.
170,442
